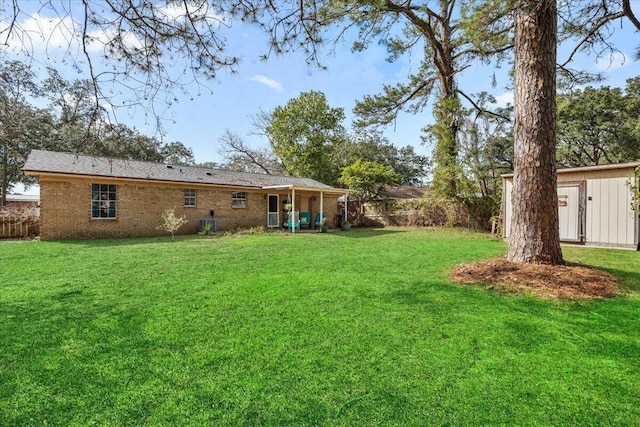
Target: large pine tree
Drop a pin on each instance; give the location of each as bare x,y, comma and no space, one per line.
534,235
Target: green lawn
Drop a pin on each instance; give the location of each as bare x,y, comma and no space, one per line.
339,329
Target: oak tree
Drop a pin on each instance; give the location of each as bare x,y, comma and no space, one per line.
22,126
599,125
366,177
304,133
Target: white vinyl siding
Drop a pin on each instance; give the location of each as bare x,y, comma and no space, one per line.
610,219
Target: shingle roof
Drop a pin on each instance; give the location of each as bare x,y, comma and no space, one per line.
40,161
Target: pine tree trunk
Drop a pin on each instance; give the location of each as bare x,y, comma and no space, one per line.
445,154
446,111
534,236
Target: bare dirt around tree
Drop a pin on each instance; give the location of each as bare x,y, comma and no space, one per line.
545,281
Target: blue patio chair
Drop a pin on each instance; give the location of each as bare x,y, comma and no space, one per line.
305,219
318,222
290,225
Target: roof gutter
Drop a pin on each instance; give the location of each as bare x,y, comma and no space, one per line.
303,188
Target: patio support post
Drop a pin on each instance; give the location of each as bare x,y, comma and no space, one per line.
346,206
292,219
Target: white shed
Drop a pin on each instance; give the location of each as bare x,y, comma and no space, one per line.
594,206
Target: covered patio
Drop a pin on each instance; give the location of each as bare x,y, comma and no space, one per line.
300,208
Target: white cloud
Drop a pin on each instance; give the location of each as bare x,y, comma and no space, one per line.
40,32
54,35
612,62
504,99
50,34
267,81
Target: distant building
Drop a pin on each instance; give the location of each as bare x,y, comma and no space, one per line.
19,201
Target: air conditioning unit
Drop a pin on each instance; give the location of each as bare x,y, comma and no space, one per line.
213,224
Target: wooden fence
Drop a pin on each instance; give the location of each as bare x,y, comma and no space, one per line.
18,227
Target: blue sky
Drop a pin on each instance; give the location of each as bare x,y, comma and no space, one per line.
258,84
349,77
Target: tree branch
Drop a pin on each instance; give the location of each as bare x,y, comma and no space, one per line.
478,52
424,27
601,23
480,109
94,79
12,24
626,8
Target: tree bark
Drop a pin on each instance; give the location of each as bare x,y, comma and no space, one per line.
534,235
446,111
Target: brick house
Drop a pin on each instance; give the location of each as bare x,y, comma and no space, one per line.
87,197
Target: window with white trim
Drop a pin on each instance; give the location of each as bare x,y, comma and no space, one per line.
189,198
239,199
103,201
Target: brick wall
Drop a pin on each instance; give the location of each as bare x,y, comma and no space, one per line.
66,208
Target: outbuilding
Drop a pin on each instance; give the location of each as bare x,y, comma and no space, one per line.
594,205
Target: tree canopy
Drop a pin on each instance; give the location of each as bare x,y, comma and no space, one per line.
133,51
411,168
68,123
304,133
306,137
366,178
599,125
22,126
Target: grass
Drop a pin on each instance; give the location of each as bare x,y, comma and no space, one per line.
338,329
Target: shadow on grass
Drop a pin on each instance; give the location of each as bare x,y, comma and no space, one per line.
126,241
132,241
629,279
358,233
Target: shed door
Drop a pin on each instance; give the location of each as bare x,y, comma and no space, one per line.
570,213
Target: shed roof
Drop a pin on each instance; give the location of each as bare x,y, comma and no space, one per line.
629,165
51,162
